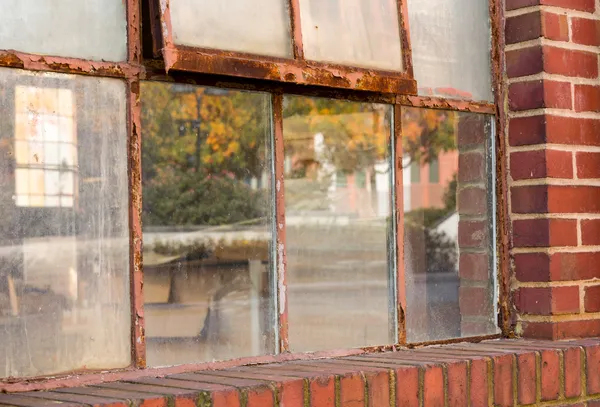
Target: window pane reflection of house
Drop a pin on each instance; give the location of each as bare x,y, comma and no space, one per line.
337,203
63,224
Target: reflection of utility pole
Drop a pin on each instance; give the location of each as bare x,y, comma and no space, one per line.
195,124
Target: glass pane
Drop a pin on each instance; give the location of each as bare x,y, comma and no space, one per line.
352,32
337,232
258,27
207,220
451,42
90,29
449,224
64,266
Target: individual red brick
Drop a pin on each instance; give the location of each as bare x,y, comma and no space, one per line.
526,390
572,372
550,374
532,267
433,385
471,130
322,392
474,266
407,386
472,201
472,234
479,382
527,130
569,62
523,27
524,61
574,266
457,384
544,232
585,31
587,98
260,397
560,330
503,380
539,93
592,299
583,5
547,300
555,26
471,167
590,232
555,199
588,165
352,391
570,130
379,389
474,300
592,364
541,164
225,399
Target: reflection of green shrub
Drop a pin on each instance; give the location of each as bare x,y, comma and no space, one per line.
197,199
199,249
432,251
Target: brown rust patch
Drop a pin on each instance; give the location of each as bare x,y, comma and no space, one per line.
11,60
282,70
449,104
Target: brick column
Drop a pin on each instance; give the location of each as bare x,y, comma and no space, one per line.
474,225
553,144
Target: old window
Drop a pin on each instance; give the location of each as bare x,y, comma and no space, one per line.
242,179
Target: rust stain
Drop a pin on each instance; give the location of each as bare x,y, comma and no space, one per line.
282,70
134,46
450,104
399,208
403,24
296,28
14,59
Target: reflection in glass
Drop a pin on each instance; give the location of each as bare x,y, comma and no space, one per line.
352,32
338,210
448,224
451,43
207,223
257,27
90,29
64,268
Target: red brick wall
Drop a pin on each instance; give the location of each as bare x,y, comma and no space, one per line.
553,141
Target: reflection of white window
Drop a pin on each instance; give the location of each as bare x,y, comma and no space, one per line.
45,146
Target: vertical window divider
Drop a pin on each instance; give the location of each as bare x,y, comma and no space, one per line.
398,231
134,158
296,29
282,331
406,49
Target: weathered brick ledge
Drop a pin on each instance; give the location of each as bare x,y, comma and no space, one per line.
490,373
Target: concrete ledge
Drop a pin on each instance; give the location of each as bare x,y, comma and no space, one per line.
490,373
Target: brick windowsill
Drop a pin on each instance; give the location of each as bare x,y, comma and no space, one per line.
496,372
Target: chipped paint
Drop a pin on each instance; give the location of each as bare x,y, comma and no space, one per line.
450,104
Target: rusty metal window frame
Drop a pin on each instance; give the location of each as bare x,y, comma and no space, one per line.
378,86
297,70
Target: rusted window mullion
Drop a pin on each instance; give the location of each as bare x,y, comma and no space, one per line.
399,229
134,43
280,264
138,348
403,24
296,28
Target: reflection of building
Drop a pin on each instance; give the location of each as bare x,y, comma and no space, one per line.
425,184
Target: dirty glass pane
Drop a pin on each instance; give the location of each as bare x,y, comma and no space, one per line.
88,29
451,42
257,27
448,224
64,247
338,184
352,32
207,223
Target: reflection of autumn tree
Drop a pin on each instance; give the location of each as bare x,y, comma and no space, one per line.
356,134
426,133
233,144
